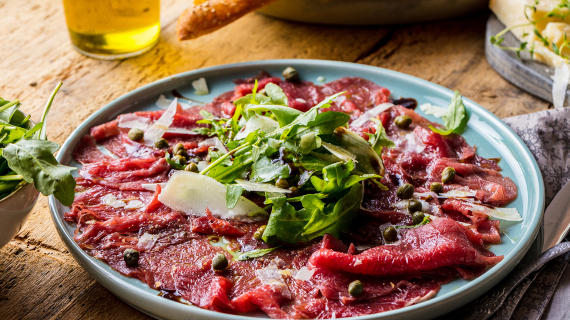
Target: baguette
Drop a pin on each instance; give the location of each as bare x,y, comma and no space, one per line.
211,15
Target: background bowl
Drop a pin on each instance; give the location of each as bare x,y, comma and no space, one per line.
371,12
16,207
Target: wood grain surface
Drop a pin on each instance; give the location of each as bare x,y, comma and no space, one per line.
38,277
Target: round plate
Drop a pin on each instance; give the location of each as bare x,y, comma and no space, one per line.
492,137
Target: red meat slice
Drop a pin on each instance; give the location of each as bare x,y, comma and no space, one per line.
487,229
87,152
125,170
202,287
264,297
405,294
212,225
105,130
442,243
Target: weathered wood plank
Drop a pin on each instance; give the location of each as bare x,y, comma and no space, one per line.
452,54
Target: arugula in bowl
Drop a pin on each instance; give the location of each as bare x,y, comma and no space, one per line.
27,156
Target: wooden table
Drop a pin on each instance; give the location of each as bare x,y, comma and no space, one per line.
38,277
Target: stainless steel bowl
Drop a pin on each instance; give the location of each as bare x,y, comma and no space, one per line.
370,12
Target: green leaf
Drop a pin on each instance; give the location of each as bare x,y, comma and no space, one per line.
368,160
255,253
10,134
8,109
455,120
264,170
34,160
248,99
335,217
283,114
285,223
276,94
233,193
380,139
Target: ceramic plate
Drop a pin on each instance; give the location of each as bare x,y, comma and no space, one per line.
371,12
491,136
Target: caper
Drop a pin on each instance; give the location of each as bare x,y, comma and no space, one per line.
418,217
291,74
181,160
131,257
447,175
436,187
403,121
179,150
355,288
282,183
136,134
161,144
192,167
220,262
414,205
294,192
405,191
390,234
259,232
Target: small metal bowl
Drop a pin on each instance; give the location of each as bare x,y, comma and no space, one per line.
16,207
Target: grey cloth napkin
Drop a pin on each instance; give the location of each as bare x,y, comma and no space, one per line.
547,135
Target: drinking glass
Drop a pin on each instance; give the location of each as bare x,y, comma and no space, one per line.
113,29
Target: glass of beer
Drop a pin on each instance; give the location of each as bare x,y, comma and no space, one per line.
113,29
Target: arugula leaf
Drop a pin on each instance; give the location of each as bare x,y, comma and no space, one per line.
276,94
255,253
8,109
283,114
380,139
368,160
34,160
333,218
455,120
249,99
9,134
264,170
285,223
233,193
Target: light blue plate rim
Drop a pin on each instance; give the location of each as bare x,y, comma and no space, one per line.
167,309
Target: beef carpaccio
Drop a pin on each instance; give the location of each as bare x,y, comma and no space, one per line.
310,279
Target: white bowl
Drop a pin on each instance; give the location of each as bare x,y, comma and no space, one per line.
15,210
16,207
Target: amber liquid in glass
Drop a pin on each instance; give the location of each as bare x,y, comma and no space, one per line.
113,29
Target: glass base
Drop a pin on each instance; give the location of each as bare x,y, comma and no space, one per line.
118,56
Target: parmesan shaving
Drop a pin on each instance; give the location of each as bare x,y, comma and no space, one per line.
112,201
270,275
152,186
200,86
414,143
148,240
436,111
369,114
192,193
134,204
157,129
304,274
508,214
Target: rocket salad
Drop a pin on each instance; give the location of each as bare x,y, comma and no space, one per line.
27,155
